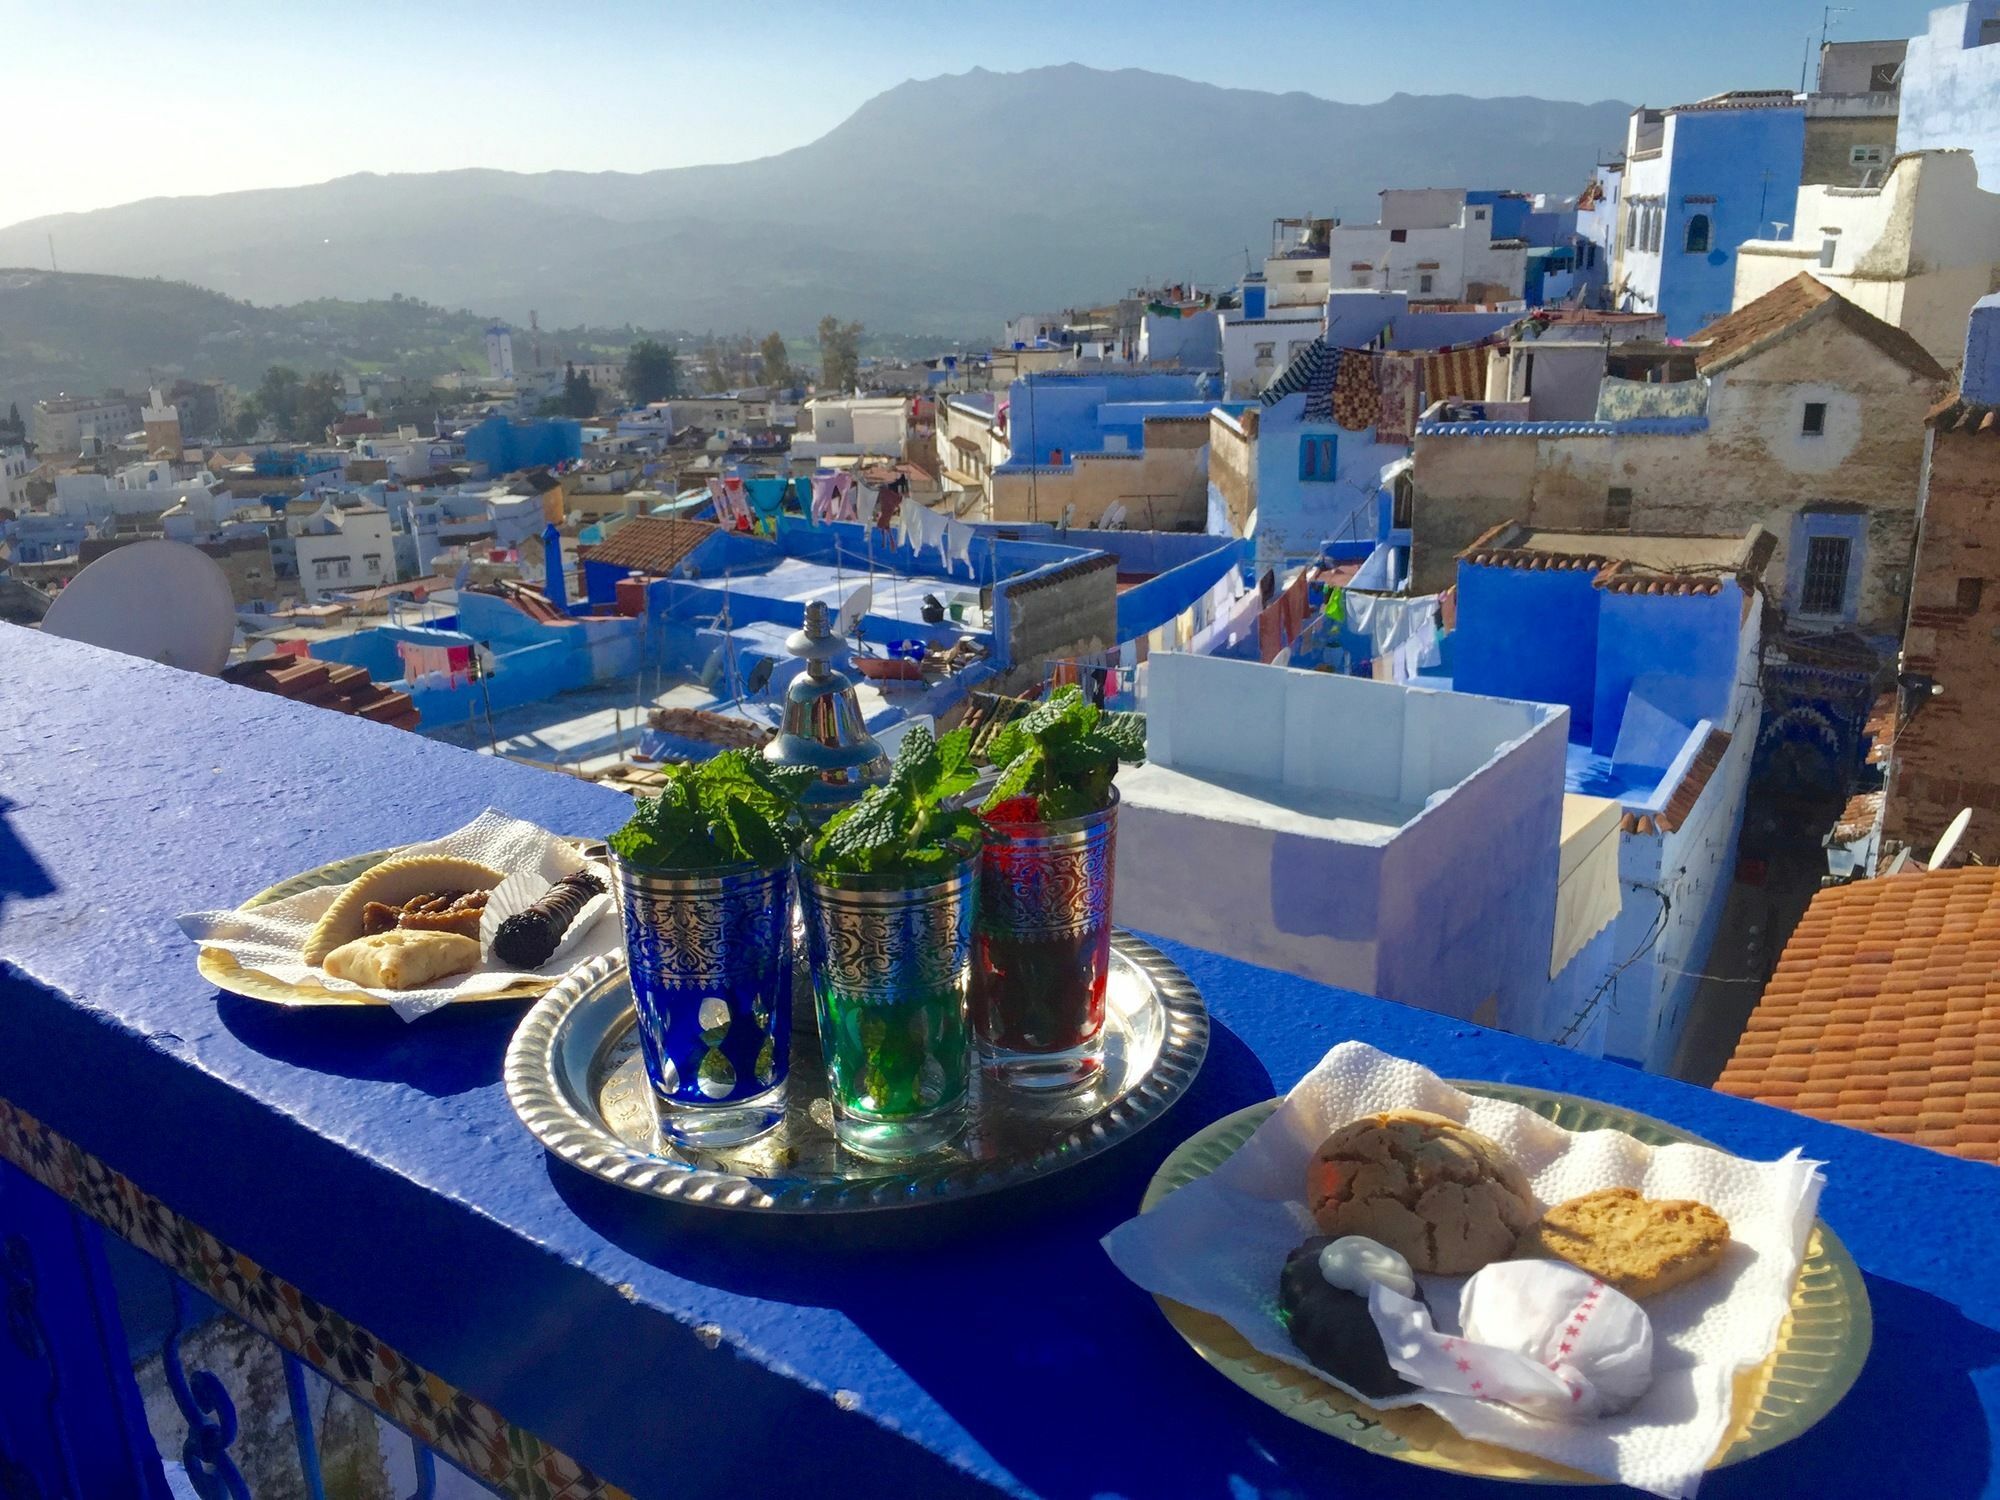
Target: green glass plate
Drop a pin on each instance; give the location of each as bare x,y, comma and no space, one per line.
1821,1346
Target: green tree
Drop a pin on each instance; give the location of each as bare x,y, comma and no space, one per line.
579,397
650,373
777,363
839,353
299,407
14,429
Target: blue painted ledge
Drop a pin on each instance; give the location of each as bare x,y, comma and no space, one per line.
378,1167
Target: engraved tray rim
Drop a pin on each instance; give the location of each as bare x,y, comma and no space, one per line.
573,1131
1818,1355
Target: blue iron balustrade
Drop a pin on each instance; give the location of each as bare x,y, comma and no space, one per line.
358,1190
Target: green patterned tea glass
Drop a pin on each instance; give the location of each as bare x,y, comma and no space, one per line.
891,968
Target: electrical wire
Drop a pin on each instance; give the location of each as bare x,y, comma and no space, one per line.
1653,935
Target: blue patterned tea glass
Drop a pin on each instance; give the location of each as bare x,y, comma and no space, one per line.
891,963
710,956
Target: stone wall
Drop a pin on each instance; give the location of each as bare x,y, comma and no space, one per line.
1751,466
1830,140
1070,611
1232,464
1945,754
1163,488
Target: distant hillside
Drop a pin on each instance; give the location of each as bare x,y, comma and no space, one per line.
939,205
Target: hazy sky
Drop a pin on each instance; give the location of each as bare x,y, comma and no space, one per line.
104,101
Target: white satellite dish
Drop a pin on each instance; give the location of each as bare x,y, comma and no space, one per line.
1948,845
858,604
165,601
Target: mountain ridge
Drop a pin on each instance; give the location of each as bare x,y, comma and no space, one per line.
937,204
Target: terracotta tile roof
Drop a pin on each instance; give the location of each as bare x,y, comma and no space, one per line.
1956,414
1741,99
1788,307
1884,1013
326,684
1626,562
531,602
651,544
1858,817
1680,805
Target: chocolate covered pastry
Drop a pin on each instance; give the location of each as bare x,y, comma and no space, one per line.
527,939
1332,1326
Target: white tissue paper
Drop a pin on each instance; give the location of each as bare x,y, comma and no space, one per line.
1537,1335
1218,1244
268,939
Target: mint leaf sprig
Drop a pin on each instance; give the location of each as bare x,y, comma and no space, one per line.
905,825
1063,754
736,808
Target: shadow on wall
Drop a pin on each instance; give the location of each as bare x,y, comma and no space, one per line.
22,876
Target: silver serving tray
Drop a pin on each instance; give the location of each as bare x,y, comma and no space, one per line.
574,1077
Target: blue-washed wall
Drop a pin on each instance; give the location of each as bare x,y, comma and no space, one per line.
1530,634
504,445
1681,648
1047,412
1165,595
1749,161
1577,1012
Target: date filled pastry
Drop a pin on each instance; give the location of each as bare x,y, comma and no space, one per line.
402,959
434,911
393,883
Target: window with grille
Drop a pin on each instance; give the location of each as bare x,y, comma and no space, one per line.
1825,591
1316,459
1399,236
1867,156
1882,78
1813,423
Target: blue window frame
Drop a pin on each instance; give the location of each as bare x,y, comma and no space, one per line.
1316,458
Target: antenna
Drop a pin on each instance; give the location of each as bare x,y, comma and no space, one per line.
164,601
1946,846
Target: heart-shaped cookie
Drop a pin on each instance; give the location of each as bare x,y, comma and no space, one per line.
1642,1246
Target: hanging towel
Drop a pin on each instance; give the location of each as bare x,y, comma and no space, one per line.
1397,379
823,496
958,544
864,501
1336,607
1357,401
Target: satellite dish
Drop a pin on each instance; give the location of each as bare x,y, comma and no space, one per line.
165,601
858,604
1946,846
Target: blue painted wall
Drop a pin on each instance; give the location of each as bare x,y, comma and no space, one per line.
1749,161
504,446
1682,647
1050,410
1165,595
1530,634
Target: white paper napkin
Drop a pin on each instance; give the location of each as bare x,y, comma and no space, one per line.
268,938
1218,1244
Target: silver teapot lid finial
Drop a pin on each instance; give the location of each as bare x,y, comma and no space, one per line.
823,727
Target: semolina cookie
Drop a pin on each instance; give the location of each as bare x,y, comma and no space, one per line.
1642,1246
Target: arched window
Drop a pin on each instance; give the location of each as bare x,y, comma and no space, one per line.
1697,235
1655,217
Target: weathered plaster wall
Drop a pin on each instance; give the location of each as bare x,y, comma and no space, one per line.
1232,464
1830,143
1949,84
1751,466
1162,489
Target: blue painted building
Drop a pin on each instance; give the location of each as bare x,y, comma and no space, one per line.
1651,644
1053,415
504,444
1699,180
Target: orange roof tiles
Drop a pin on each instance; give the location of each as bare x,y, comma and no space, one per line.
1792,304
1884,1013
1681,803
651,544
326,684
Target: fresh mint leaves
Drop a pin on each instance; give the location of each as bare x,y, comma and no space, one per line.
1063,754
736,808
905,826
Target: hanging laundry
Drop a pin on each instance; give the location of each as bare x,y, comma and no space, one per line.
1357,400
823,496
1456,374
1397,381
864,501
1336,607
958,545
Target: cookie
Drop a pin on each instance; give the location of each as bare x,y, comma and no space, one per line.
1332,1326
1440,1194
1643,1246
402,960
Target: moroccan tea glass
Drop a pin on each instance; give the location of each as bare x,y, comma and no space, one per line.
710,958
890,966
1042,949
